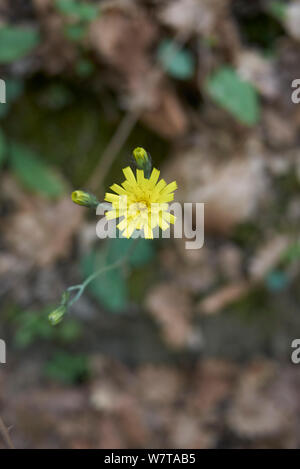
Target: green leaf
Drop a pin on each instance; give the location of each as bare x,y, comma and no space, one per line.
16,41
292,253
84,68
67,368
32,326
143,252
34,173
78,9
237,96
278,9
3,148
109,288
75,32
177,62
68,331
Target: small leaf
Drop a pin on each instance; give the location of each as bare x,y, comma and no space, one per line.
177,62
109,288
278,9
291,254
78,9
84,68
237,96
75,32
16,41
67,368
3,148
34,173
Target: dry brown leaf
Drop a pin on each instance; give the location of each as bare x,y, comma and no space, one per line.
258,70
258,410
171,307
159,384
42,232
267,257
186,431
217,301
122,38
232,188
167,116
212,384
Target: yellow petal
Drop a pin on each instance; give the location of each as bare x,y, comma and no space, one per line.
169,217
167,198
130,229
140,176
129,175
123,224
169,188
154,176
148,232
111,214
159,186
163,224
118,189
111,197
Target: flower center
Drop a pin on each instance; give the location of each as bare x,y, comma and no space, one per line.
141,207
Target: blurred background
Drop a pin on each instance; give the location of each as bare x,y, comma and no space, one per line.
187,348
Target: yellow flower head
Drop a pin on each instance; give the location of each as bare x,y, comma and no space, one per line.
142,202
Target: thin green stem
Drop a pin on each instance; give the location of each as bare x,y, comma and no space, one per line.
102,270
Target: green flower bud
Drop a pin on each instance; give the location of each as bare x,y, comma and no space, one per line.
56,316
142,160
84,198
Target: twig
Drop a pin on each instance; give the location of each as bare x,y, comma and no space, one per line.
117,141
128,123
5,435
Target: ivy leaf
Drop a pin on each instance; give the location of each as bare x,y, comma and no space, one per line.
177,62
237,96
109,288
78,9
16,41
34,173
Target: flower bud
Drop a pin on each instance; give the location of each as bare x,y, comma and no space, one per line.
85,199
56,316
142,160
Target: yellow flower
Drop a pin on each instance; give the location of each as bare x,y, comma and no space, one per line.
142,202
